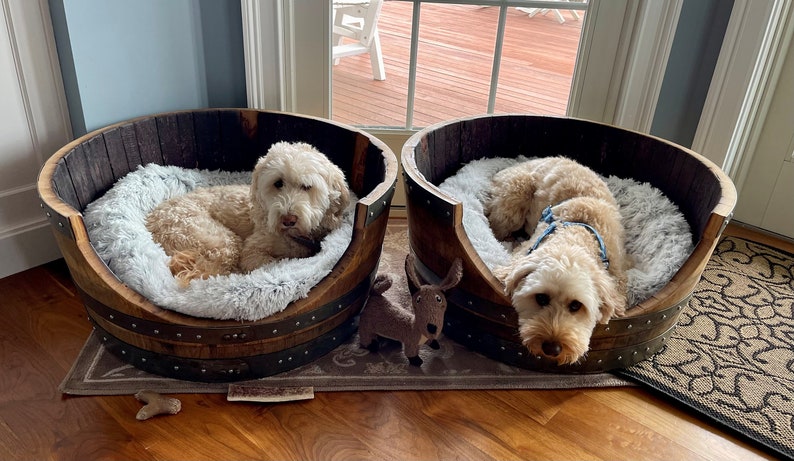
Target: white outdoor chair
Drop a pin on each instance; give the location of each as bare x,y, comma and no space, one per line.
557,14
358,20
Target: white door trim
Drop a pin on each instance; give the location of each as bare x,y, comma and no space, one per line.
626,92
641,84
286,43
263,38
25,237
746,74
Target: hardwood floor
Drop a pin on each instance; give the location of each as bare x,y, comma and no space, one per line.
44,328
454,65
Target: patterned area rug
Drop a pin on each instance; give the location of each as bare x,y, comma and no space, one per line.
348,367
731,357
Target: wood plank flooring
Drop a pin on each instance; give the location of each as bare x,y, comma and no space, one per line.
454,65
44,327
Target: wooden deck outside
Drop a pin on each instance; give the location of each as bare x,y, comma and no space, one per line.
454,65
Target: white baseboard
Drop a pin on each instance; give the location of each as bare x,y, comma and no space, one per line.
29,248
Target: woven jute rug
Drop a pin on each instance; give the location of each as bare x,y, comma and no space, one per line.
348,367
731,357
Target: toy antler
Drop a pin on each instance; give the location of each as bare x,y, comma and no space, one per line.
452,278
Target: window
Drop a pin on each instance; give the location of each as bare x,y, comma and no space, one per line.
445,60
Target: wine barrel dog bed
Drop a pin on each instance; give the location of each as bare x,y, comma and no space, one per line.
442,218
190,149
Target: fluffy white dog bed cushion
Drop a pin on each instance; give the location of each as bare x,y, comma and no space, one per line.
117,229
657,235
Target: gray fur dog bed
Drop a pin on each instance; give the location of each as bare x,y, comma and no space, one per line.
116,226
658,238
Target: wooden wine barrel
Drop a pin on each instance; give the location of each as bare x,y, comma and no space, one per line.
171,344
479,315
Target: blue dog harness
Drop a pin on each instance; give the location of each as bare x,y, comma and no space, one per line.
548,217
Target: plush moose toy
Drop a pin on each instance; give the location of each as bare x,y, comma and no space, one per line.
413,320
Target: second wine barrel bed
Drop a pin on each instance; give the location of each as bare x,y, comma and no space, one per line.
479,315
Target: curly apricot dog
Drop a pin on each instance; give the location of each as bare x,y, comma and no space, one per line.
296,198
571,272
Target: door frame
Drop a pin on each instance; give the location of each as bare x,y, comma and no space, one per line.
747,72
26,239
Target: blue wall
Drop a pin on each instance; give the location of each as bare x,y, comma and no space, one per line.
696,47
125,58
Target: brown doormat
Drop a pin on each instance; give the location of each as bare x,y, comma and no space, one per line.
731,356
347,368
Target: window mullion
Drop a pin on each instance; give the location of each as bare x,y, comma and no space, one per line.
409,112
497,57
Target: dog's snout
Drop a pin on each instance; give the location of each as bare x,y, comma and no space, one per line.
289,220
551,348
431,328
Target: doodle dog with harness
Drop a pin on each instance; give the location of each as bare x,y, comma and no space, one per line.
570,274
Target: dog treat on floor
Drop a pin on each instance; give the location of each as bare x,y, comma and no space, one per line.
248,393
156,404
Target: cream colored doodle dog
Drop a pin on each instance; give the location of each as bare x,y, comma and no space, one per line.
296,197
570,274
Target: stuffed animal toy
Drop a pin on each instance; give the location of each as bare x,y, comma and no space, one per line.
413,320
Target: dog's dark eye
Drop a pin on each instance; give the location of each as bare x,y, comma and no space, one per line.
418,299
574,306
438,299
278,184
542,299
306,187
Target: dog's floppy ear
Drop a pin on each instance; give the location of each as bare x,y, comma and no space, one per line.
257,209
513,275
613,303
338,194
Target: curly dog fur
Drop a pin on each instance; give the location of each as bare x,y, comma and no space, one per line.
297,196
561,289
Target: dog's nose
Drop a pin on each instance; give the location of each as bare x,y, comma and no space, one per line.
551,348
289,220
431,328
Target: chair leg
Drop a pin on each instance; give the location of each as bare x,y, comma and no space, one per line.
376,58
337,40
